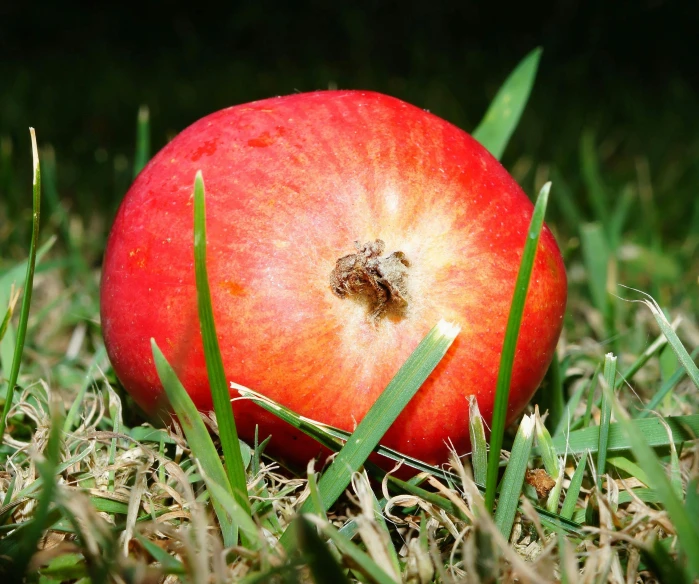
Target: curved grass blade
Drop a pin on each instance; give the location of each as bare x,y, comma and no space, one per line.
142,140
666,388
212,352
514,477
605,417
502,392
381,415
14,297
505,110
28,286
199,440
672,338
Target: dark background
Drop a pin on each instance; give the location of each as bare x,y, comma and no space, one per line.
625,71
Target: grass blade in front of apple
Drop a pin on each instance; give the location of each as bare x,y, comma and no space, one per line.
502,390
228,433
380,416
198,439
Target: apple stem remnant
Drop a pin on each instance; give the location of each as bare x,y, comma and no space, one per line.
379,282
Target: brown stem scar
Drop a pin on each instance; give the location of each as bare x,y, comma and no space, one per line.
379,282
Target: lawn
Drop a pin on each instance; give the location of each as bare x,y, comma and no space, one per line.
597,481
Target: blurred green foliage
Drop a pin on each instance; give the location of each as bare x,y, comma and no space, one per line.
614,73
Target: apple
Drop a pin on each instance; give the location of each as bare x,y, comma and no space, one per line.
341,226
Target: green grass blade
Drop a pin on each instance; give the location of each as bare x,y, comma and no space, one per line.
28,286
605,417
240,515
672,338
322,564
623,463
504,112
683,428
14,297
569,411
381,415
142,140
552,395
596,258
479,445
212,352
315,494
687,527
546,449
198,439
596,191
502,392
170,564
513,480
666,388
587,416
573,492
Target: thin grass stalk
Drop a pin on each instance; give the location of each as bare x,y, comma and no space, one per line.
142,140
605,418
502,392
28,286
212,352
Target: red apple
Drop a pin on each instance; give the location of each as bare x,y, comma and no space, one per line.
341,225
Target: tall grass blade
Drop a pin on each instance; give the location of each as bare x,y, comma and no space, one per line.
198,439
596,191
504,112
28,286
596,257
142,140
502,392
212,352
605,417
514,477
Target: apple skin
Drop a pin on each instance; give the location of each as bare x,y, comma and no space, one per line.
291,183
